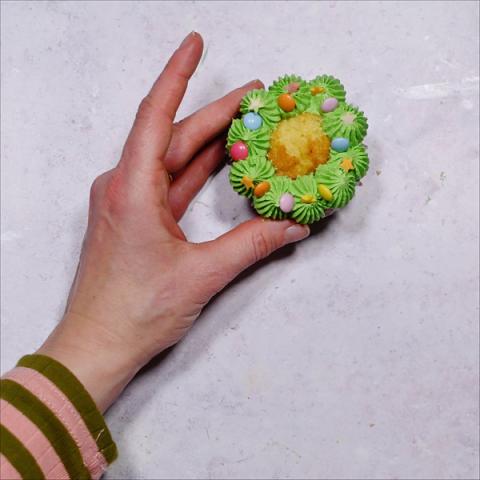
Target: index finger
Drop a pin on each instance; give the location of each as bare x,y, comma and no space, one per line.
151,132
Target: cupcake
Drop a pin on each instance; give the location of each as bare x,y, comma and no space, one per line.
297,149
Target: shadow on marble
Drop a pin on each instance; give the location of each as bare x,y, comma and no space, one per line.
184,363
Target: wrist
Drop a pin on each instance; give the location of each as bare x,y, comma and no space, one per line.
99,360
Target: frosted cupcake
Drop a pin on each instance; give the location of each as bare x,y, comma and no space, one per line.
297,150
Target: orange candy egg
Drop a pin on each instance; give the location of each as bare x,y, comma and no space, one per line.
286,102
261,189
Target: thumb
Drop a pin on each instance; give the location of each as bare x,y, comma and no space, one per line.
250,242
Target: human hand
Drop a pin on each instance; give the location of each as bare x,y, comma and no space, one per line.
140,284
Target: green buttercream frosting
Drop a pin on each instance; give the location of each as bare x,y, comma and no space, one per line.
335,180
359,157
307,212
268,205
315,104
256,168
263,103
257,141
332,88
301,96
346,121
340,183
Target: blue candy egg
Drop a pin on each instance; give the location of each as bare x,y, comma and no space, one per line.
340,144
252,120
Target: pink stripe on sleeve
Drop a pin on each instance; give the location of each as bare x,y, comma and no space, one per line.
7,470
34,440
60,405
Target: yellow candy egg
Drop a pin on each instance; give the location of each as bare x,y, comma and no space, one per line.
325,192
308,198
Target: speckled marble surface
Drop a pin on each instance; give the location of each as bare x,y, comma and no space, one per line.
354,354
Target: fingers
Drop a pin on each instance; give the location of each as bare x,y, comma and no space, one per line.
198,129
152,129
248,243
193,177
170,87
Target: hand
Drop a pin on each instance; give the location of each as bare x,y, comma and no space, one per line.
140,284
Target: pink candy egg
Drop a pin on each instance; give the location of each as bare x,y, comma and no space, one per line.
293,87
329,104
286,202
239,151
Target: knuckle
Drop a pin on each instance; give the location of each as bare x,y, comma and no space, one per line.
108,192
145,108
261,246
95,189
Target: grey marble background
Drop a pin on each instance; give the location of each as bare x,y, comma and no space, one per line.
353,355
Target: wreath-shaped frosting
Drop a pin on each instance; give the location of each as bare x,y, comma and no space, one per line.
320,153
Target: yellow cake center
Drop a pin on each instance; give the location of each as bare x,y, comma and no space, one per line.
298,145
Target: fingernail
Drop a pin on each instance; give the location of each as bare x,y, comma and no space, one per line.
295,233
187,38
251,82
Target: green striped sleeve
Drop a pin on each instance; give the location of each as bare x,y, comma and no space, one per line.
49,424
20,458
80,398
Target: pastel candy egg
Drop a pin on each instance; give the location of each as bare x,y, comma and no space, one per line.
239,151
261,189
340,144
329,104
252,121
286,102
293,87
286,202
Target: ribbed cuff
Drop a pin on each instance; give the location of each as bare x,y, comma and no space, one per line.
73,389
50,425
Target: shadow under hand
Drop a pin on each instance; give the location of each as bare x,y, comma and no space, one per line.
183,355
318,228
